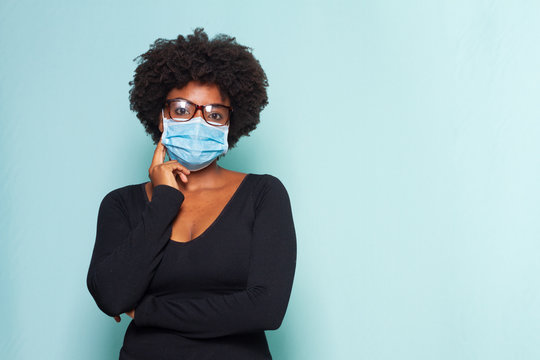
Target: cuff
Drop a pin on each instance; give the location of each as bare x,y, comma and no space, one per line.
168,197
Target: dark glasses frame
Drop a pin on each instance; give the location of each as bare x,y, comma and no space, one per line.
197,107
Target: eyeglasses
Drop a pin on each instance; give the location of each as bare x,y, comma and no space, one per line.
184,110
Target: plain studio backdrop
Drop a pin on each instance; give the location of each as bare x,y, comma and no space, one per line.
406,132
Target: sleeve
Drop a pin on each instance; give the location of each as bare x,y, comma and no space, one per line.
124,259
262,305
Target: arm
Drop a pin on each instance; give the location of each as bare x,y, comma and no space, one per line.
124,260
262,305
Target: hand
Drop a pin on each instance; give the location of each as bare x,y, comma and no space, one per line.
164,173
131,314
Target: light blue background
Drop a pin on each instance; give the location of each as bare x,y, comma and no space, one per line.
406,132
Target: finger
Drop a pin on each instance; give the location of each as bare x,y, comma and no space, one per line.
174,164
182,172
182,176
159,154
164,152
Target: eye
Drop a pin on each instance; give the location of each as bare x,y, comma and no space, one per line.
182,111
215,116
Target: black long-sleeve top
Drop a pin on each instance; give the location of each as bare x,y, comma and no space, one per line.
209,298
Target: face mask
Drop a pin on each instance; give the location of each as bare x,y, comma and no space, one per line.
194,143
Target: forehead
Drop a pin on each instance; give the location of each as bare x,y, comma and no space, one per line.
199,93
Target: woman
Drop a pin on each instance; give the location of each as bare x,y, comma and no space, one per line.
200,257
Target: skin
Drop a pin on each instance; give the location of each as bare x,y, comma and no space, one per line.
206,191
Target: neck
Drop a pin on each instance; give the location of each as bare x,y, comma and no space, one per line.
208,177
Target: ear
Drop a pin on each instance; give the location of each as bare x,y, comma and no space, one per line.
160,123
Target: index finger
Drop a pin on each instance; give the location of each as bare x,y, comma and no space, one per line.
159,154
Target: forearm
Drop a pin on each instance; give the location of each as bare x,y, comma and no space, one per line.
255,309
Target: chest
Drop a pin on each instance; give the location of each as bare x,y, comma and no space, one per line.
216,260
198,212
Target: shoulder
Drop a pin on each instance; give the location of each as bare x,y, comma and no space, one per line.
266,181
268,186
263,181
123,196
124,191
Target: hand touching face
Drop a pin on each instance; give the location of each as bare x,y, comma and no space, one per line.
164,173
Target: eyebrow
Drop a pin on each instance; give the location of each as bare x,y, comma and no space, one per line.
179,98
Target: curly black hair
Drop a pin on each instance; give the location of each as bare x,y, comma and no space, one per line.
221,61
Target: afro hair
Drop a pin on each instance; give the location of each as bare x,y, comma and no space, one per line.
221,61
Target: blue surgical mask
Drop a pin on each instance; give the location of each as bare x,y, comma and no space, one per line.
194,143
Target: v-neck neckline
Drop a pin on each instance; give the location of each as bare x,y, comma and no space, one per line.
227,205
